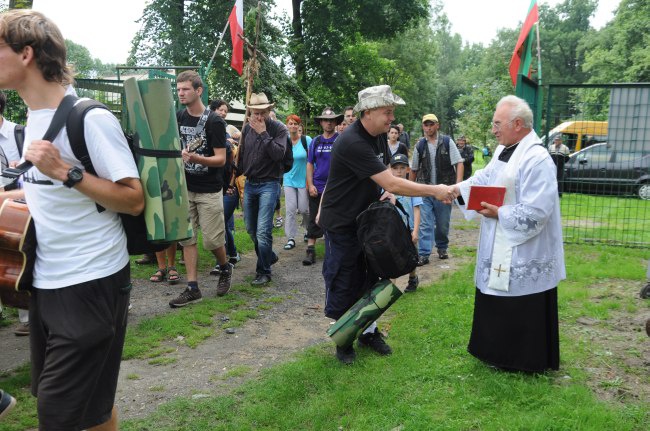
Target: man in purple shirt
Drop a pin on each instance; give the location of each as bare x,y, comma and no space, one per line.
318,167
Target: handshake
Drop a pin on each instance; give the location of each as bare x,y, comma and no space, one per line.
446,194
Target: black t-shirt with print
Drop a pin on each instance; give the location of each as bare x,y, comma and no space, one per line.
200,178
356,156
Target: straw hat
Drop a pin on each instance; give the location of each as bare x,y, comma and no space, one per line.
259,101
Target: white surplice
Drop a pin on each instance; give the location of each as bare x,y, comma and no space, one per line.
531,224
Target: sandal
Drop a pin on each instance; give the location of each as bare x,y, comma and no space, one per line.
172,275
158,276
290,244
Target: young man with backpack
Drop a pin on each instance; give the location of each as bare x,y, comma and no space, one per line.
436,160
262,155
81,286
203,139
318,167
358,173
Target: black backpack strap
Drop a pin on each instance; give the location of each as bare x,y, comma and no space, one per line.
19,136
58,120
75,128
421,147
303,140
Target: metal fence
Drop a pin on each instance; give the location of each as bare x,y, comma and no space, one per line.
605,182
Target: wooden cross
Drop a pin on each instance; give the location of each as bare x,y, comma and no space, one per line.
499,270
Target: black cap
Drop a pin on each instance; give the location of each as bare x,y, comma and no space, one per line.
399,158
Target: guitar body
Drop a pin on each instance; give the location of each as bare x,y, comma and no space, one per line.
17,253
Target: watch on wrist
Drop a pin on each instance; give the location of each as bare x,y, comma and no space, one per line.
75,175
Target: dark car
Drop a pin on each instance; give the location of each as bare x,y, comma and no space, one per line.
603,169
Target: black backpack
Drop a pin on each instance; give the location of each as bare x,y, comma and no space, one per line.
19,136
135,227
386,240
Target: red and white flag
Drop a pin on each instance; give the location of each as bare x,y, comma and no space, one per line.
236,20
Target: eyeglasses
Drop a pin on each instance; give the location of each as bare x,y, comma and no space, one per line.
496,125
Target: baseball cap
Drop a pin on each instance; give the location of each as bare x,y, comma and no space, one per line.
399,158
430,117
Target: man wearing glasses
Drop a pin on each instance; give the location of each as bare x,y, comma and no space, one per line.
436,160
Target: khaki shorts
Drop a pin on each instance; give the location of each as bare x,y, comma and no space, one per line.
206,213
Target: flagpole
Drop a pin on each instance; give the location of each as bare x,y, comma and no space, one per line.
217,48
539,57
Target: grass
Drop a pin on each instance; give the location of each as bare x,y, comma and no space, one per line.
430,382
603,219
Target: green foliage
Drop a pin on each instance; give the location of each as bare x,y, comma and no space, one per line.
620,52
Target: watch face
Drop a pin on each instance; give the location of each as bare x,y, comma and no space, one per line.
75,175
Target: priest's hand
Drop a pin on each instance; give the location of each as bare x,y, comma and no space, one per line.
489,210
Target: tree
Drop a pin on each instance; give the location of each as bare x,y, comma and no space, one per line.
180,33
620,52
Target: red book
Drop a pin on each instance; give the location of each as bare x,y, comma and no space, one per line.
491,194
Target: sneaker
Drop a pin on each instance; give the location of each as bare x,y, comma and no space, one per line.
146,259
375,341
188,296
304,238
346,355
234,260
225,281
278,221
423,260
22,330
261,279
413,284
7,402
216,270
310,258
442,254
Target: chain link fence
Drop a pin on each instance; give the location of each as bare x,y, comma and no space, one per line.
599,137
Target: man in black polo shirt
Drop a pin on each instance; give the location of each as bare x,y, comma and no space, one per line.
358,173
260,159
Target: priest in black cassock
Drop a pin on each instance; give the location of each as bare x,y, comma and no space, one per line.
520,259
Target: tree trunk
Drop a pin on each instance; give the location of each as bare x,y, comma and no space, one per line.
298,53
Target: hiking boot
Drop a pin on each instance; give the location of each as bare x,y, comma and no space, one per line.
225,281
22,330
234,259
7,402
442,254
413,284
375,341
261,279
346,355
310,258
423,260
188,296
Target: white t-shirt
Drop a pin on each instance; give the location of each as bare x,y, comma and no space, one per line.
8,140
76,243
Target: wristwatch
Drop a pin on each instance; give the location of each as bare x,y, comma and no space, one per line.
75,175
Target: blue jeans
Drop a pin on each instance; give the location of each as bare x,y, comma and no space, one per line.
259,205
229,205
434,223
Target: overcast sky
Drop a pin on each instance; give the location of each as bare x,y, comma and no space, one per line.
107,27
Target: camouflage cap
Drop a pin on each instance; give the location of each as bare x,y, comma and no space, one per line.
377,97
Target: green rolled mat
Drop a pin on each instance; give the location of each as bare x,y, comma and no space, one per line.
163,179
365,311
159,106
147,166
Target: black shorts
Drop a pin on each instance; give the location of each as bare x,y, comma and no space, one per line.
313,230
76,338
